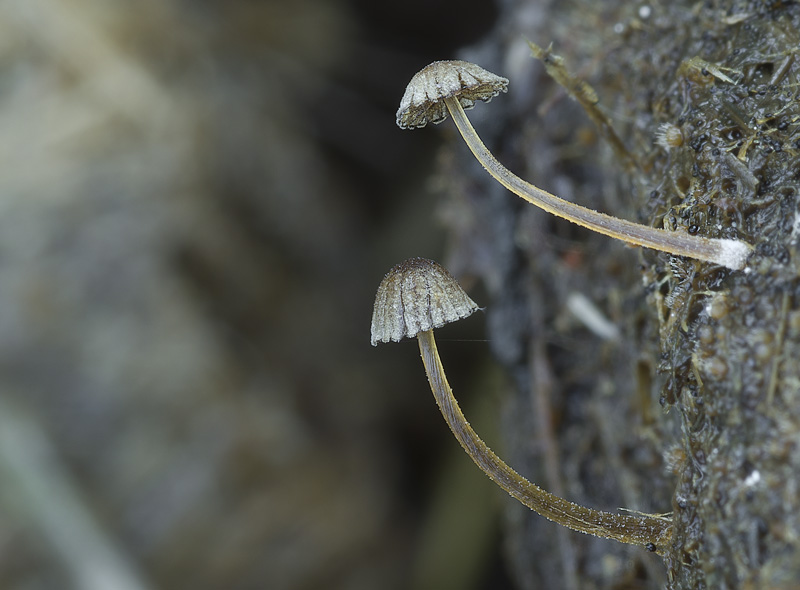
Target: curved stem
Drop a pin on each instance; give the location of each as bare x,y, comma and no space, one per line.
637,530
730,253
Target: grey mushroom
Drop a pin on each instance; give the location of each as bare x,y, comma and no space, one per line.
451,86
419,295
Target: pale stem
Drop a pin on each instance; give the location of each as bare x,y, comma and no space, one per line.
730,253
645,530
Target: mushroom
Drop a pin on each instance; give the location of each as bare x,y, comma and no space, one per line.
419,295
451,86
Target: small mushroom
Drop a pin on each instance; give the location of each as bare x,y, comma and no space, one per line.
419,295
451,86
415,296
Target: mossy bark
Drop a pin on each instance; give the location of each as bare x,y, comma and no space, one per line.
693,405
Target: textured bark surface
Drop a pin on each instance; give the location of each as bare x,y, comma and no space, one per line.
689,401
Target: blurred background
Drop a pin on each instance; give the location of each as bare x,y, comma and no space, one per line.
198,200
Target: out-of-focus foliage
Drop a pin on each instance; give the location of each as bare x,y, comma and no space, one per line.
197,202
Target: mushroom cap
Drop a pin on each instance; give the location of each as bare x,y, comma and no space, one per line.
417,295
423,99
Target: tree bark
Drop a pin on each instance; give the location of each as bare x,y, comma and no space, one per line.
688,401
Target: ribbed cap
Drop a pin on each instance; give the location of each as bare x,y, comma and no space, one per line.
417,295
422,101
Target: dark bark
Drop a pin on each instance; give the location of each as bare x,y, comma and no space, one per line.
693,408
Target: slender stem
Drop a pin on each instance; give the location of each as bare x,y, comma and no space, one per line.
730,253
637,530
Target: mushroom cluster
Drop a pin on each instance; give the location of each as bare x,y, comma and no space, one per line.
419,295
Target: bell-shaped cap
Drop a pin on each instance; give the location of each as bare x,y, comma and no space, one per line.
423,99
417,295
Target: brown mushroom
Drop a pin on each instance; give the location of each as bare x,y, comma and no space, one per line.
451,86
419,295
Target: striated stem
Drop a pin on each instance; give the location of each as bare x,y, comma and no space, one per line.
730,253
652,532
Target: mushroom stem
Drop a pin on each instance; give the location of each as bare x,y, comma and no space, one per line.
651,531
730,253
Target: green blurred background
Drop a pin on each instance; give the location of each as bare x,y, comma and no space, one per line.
198,202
